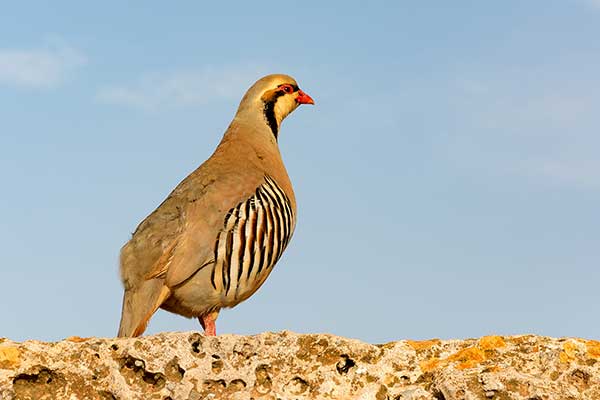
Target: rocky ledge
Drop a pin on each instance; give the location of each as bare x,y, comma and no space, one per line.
291,366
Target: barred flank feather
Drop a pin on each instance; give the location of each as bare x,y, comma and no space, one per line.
252,240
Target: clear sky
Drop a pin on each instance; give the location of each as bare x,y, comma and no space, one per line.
448,178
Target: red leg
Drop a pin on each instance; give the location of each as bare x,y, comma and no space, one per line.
208,323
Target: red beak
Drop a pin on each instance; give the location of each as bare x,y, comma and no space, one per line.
303,98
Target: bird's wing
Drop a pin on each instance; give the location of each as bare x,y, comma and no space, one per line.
156,237
202,218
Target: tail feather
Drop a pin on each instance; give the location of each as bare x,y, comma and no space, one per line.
139,304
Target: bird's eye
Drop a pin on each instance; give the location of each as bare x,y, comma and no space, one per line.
287,88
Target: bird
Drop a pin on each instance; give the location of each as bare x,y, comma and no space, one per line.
215,239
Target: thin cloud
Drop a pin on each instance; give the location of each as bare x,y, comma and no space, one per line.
44,67
540,125
505,104
181,88
593,3
584,173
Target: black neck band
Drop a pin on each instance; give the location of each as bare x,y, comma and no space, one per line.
270,113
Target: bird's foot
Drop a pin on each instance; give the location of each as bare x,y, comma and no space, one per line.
208,322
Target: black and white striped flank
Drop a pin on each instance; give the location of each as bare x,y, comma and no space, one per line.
253,238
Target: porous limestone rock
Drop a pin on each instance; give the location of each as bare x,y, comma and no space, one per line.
291,366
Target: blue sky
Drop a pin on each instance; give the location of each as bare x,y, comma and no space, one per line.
448,178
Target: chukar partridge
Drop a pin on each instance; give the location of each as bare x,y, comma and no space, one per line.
215,239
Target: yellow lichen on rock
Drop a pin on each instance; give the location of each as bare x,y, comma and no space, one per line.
467,358
10,356
569,352
491,342
593,348
77,339
423,344
429,365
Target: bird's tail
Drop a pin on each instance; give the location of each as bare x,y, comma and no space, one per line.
139,304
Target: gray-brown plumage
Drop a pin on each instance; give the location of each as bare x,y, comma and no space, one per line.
212,243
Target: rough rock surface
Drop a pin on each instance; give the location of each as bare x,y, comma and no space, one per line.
291,366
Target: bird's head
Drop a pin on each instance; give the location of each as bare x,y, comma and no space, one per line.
271,99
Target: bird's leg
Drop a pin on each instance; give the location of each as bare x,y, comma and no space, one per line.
208,323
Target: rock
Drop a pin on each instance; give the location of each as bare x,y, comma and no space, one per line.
291,366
